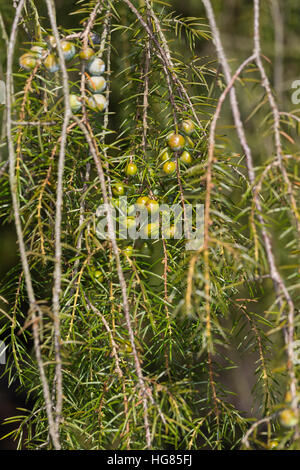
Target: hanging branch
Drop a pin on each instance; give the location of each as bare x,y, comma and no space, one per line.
58,218
34,308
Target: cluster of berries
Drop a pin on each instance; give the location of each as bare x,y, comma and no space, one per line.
180,144
95,67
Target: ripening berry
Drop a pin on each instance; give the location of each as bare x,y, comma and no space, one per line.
68,49
27,61
151,230
288,418
96,84
131,169
37,51
86,53
142,200
188,127
75,103
152,206
118,189
165,155
176,142
97,102
51,63
186,158
96,66
169,167
51,42
128,251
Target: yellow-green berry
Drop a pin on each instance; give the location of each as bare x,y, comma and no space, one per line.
169,167
28,61
186,158
188,127
86,53
131,169
152,206
118,189
75,103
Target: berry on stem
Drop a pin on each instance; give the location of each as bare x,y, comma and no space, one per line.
131,169
188,127
86,53
37,51
142,200
96,84
51,42
169,167
97,102
68,49
118,189
186,158
152,206
96,66
176,142
51,63
165,155
28,61
75,103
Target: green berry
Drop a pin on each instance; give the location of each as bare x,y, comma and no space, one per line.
188,127
186,158
142,200
169,167
145,249
118,189
165,155
131,169
75,103
152,206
